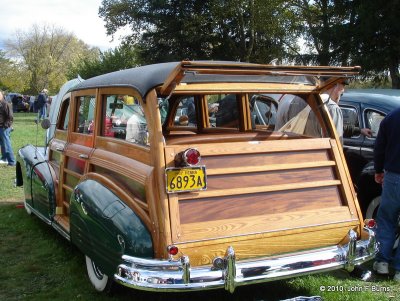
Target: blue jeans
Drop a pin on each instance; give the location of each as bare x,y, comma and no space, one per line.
387,220
8,153
42,112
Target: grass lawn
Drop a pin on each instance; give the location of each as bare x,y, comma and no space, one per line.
38,264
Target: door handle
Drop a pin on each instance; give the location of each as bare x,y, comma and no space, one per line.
60,149
83,156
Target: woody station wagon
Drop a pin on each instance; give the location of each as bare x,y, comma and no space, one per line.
172,177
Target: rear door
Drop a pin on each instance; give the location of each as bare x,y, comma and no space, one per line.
81,128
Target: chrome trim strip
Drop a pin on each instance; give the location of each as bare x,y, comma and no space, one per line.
164,276
38,214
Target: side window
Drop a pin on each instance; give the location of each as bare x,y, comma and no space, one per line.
373,120
123,118
350,116
64,116
85,116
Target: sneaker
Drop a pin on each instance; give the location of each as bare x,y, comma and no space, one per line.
3,162
397,276
381,268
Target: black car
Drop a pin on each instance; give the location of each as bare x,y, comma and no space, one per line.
365,108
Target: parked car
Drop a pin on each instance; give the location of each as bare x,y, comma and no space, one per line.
365,108
219,202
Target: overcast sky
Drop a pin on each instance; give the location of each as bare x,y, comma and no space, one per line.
77,16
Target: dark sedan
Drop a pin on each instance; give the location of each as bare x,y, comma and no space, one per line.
365,109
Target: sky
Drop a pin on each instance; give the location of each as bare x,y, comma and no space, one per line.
74,16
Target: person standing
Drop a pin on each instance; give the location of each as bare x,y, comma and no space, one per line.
290,106
41,104
6,119
387,173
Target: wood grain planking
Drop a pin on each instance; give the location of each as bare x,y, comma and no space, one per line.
203,253
285,176
228,207
261,147
263,159
271,167
253,190
264,223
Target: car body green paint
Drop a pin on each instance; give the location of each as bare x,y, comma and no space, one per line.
104,228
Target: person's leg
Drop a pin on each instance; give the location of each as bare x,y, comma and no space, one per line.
387,218
395,194
9,154
3,150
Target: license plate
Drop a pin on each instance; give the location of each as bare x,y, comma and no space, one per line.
186,179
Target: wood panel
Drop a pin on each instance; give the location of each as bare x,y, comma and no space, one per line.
227,207
261,186
276,177
264,223
202,253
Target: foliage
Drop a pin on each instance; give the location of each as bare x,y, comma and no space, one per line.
12,74
122,57
46,53
377,40
251,30
326,25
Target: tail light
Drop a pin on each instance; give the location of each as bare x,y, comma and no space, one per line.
370,223
172,250
189,157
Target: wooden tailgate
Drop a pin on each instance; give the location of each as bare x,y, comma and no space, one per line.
258,187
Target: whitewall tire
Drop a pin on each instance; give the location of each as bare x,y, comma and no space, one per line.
99,280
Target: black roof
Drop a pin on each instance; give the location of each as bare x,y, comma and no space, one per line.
140,78
386,99
145,78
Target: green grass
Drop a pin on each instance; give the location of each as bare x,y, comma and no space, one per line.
38,264
25,132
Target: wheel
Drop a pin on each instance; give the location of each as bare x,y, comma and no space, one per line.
371,212
99,280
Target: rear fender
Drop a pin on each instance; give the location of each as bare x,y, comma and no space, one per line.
104,228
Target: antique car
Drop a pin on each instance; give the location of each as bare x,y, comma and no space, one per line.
160,201
366,108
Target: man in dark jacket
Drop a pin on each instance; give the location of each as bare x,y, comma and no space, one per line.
6,119
387,173
41,104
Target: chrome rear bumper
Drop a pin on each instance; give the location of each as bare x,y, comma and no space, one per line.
164,275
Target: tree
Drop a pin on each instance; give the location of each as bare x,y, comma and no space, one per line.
326,25
250,30
377,39
46,53
122,57
12,74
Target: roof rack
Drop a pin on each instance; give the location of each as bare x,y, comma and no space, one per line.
238,68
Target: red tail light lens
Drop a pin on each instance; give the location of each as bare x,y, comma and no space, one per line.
172,250
370,223
191,156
